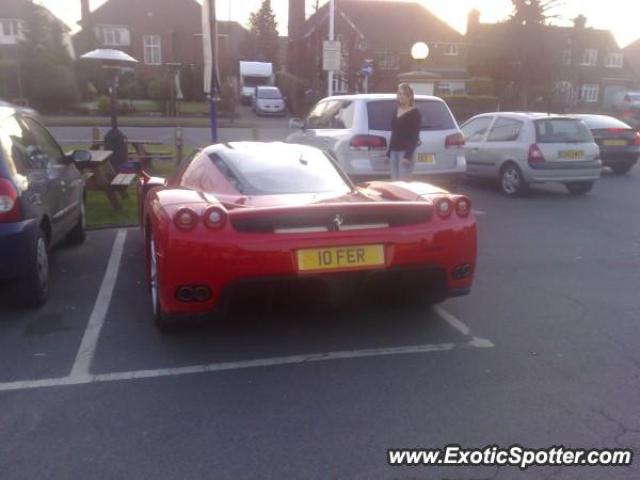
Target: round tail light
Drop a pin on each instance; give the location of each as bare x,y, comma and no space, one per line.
185,219
444,208
214,217
463,207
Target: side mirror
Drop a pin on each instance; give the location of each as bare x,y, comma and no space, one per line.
81,156
296,123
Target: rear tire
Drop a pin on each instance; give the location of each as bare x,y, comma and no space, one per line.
512,183
33,289
162,321
579,188
622,168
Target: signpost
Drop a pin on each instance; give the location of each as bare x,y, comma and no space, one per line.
210,52
366,71
331,56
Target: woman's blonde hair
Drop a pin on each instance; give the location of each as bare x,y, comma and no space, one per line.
408,91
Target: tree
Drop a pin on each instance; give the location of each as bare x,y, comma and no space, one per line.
263,34
50,80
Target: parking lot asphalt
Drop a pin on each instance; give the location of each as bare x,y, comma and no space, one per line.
543,352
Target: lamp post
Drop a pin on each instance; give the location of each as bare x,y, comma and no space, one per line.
113,61
419,52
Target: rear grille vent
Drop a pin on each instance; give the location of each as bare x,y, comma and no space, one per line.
326,222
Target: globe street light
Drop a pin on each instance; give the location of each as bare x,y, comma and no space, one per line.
114,61
419,52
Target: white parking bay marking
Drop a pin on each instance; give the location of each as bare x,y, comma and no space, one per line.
96,320
461,327
479,212
225,366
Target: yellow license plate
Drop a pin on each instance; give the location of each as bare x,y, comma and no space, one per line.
571,154
340,257
615,143
426,158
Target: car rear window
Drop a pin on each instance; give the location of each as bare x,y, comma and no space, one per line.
269,93
435,115
595,123
277,171
562,130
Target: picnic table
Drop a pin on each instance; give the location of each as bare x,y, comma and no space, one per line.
101,176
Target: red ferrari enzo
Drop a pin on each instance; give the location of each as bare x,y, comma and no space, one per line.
249,213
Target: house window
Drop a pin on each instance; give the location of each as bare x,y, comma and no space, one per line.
115,36
452,50
10,31
614,60
566,57
152,50
589,93
389,61
590,57
450,88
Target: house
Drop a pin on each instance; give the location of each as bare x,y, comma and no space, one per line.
158,32
383,32
632,54
589,68
12,31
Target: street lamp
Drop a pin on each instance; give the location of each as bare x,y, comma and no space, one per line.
419,52
113,61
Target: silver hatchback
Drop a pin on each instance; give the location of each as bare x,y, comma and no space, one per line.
521,148
356,130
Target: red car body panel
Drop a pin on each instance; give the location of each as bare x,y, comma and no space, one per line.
219,257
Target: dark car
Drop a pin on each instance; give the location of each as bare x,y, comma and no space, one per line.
619,143
41,203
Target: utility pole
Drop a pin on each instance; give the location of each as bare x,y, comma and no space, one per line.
332,12
210,49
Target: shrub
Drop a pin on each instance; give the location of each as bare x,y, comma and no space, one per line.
293,88
53,89
159,89
228,98
133,88
466,106
192,83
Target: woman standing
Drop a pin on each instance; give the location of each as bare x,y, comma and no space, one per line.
405,134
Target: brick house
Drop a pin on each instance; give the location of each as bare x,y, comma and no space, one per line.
157,32
632,54
384,32
590,67
12,25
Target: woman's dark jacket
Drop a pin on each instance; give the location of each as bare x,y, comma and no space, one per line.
405,131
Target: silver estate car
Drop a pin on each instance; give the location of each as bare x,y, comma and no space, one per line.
356,129
521,148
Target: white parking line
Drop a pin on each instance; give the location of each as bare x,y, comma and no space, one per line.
223,366
96,320
461,327
478,212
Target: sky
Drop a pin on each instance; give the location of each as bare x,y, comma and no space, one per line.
619,16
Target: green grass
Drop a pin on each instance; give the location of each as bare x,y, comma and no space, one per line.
100,213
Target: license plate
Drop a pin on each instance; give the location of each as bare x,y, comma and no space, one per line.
615,143
571,154
426,158
340,257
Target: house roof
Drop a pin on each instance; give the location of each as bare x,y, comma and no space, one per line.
632,54
126,9
387,25
14,9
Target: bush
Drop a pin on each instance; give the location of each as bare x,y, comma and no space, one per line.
228,98
53,89
133,88
465,106
192,83
104,106
294,89
159,89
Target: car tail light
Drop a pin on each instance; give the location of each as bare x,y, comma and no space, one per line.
214,217
454,141
9,205
185,219
444,207
368,142
535,155
636,140
617,130
463,207
627,114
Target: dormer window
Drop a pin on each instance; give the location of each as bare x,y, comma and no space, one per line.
590,57
614,60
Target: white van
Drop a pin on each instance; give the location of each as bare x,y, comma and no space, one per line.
252,75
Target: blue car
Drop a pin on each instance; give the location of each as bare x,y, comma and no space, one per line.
41,203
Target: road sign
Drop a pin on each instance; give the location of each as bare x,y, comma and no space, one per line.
367,68
331,56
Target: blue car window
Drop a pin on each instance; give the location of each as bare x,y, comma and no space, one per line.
43,143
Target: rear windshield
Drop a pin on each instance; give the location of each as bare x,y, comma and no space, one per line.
276,171
598,122
250,81
270,93
435,115
562,130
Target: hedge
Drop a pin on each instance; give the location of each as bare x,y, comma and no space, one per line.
464,107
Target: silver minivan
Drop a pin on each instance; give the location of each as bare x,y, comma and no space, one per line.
356,130
521,148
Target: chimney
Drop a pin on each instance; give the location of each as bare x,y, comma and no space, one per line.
473,21
296,17
85,11
580,22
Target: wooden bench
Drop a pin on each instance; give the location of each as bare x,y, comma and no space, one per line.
122,181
